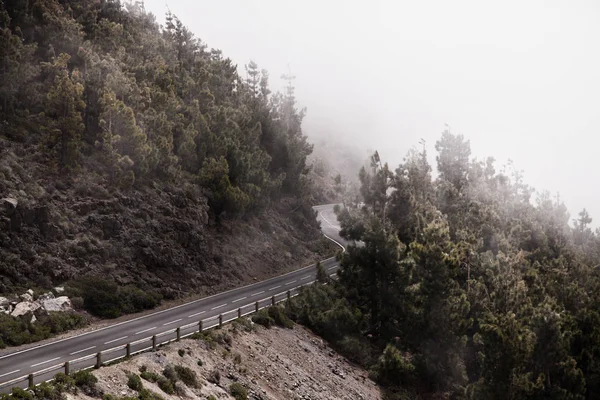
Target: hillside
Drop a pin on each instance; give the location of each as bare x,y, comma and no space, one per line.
274,363
137,165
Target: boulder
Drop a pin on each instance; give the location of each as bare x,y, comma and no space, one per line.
24,307
33,319
10,205
5,306
59,289
46,296
62,303
26,297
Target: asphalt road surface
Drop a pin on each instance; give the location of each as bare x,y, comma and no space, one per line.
139,331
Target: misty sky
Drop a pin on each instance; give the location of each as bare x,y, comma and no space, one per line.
520,79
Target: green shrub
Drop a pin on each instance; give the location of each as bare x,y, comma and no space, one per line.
187,376
146,394
262,318
214,377
18,393
166,385
200,363
47,391
170,374
149,376
278,315
181,352
211,397
243,324
15,331
86,381
134,382
106,299
238,391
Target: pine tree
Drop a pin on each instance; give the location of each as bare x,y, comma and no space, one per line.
64,107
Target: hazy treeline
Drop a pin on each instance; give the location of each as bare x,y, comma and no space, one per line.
465,286
100,86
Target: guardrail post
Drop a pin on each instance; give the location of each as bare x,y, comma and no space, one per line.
154,342
289,295
99,359
178,332
220,320
67,368
273,300
240,312
256,306
200,326
128,350
30,378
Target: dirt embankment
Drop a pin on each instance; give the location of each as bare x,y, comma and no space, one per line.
274,363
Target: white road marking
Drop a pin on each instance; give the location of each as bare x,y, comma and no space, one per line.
222,305
330,268
276,287
242,298
330,224
145,330
255,294
12,372
116,340
198,313
81,351
44,362
305,277
289,283
172,322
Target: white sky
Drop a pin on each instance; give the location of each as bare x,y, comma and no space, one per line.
520,79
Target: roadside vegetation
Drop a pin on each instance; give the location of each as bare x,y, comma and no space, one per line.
466,286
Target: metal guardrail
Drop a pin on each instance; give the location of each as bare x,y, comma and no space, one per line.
128,350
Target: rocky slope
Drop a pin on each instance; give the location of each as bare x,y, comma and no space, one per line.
158,237
274,363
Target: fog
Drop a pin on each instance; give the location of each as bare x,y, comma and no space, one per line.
520,79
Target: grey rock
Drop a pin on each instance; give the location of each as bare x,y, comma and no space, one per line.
24,307
10,205
62,303
46,296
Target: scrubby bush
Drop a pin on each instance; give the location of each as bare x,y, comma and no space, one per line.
86,381
146,394
105,299
263,318
211,397
21,394
166,385
200,363
149,376
238,391
243,324
134,382
274,315
187,376
181,352
15,331
278,315
170,373
214,377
